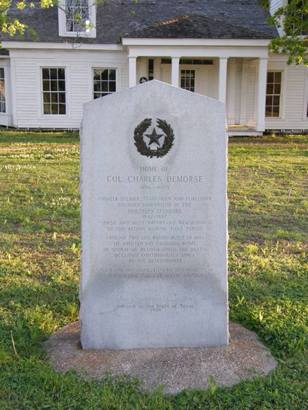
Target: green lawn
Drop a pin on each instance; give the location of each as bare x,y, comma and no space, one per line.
39,274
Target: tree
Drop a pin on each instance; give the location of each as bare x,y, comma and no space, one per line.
292,22
12,26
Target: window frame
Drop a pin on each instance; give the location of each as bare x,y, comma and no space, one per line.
281,96
5,90
194,77
62,21
42,92
305,108
92,82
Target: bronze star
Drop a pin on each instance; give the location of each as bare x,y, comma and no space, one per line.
154,137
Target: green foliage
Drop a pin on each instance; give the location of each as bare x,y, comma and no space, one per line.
39,275
13,26
292,18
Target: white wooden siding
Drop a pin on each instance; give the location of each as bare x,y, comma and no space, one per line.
26,86
241,91
275,4
293,97
206,77
27,83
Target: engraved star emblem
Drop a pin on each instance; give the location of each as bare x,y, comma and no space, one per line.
154,137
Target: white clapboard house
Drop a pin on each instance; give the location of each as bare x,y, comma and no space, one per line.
218,48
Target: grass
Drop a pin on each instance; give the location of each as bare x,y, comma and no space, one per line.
39,274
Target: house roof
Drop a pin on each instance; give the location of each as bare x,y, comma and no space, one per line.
196,26
210,19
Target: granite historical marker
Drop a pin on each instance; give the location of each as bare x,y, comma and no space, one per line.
154,220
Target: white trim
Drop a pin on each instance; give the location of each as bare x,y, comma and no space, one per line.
273,7
261,94
283,93
196,51
5,79
13,93
6,117
95,67
132,71
7,73
222,79
244,133
305,108
243,94
282,104
91,33
194,42
183,71
59,46
41,99
175,71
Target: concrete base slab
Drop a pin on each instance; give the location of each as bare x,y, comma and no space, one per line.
174,368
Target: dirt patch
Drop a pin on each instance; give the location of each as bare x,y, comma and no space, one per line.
175,368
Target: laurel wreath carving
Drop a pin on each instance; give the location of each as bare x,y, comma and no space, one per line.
141,146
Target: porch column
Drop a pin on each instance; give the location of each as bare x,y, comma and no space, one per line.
222,79
132,71
261,93
175,68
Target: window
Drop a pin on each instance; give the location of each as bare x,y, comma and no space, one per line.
2,91
104,81
189,61
77,18
77,15
273,93
54,98
188,80
193,61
